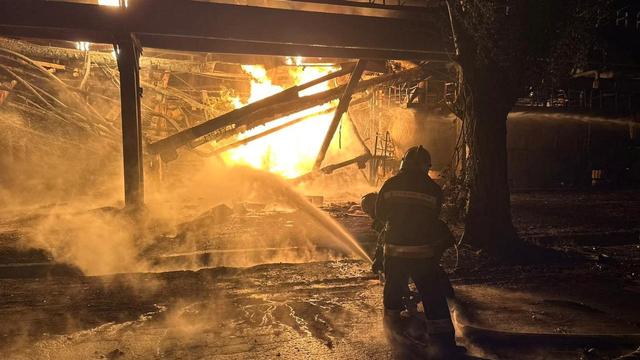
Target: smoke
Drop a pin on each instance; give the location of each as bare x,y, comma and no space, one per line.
267,213
343,185
61,190
61,187
39,166
101,241
405,128
49,182
214,215
437,133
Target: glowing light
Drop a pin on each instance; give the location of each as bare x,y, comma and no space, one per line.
112,3
83,45
297,61
292,151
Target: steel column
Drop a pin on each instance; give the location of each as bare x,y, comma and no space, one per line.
128,53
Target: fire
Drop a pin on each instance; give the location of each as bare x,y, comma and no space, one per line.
292,151
109,2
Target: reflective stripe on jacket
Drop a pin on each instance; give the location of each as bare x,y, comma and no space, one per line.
409,251
409,204
412,197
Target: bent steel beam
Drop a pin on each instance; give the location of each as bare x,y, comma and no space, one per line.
271,108
166,147
343,105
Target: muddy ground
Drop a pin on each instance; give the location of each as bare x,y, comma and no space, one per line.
577,298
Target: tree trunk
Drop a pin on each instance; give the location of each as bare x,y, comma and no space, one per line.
488,222
491,71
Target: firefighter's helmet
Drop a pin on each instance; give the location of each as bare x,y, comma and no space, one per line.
416,158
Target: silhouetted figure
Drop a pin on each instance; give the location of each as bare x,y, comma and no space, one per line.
409,204
368,205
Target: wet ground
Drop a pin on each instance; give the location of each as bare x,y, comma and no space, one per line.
579,301
288,311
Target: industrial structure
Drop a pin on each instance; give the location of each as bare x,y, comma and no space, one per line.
346,30
183,179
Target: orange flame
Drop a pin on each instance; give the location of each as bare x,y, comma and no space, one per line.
292,151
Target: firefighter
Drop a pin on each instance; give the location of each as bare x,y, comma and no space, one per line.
409,205
368,205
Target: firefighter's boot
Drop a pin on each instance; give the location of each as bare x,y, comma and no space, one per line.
442,341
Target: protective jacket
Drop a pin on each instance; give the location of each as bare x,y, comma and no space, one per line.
409,204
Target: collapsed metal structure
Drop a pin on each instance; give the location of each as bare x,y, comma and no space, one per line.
223,28
276,106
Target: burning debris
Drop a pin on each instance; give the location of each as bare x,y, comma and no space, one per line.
285,117
303,107
291,151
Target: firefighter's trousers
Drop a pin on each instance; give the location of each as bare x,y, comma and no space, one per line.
433,287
